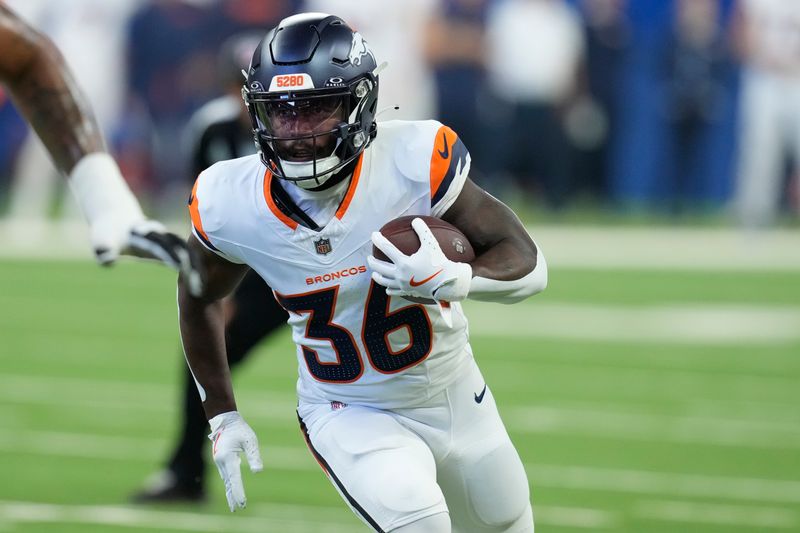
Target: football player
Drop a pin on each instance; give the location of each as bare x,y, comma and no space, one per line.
45,92
391,402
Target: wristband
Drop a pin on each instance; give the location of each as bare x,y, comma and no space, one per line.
101,191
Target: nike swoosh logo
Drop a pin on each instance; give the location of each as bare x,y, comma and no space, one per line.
446,152
414,283
216,440
479,397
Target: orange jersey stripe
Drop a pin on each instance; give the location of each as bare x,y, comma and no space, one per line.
271,203
441,156
194,212
351,191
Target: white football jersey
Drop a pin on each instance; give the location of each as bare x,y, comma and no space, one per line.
354,343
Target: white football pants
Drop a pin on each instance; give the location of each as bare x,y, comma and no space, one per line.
451,455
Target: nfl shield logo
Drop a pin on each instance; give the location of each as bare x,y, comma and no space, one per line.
323,246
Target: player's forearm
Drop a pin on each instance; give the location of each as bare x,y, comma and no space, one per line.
509,266
46,93
202,328
508,273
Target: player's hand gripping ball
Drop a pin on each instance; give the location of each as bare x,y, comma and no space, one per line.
423,259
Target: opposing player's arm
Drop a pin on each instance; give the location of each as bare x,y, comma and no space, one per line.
45,91
509,266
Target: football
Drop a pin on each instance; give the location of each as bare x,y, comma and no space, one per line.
454,244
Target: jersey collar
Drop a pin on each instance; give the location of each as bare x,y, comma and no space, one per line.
283,207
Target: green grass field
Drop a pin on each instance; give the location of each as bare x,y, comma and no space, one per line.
640,400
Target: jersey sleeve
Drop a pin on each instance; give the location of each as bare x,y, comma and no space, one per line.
207,219
449,168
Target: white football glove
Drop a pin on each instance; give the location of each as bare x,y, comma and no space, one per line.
427,273
231,436
117,224
148,239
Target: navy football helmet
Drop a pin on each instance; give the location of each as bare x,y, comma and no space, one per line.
311,92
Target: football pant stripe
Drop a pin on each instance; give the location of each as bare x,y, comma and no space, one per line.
321,460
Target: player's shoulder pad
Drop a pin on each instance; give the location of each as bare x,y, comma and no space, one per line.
428,151
214,195
409,142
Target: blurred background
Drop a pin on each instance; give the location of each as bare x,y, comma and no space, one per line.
685,109
652,147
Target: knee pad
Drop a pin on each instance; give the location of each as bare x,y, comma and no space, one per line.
437,523
500,501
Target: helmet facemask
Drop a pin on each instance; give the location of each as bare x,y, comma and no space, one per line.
307,136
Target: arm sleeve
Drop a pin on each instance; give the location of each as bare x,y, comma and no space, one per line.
509,292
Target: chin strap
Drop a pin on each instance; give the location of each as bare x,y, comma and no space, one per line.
324,166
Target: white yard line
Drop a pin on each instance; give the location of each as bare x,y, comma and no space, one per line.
669,248
128,395
576,517
676,484
605,421
285,458
653,427
724,515
110,515
270,518
564,246
133,449
671,324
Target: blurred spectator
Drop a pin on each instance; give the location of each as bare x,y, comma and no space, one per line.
595,120
643,165
534,50
406,80
234,17
173,47
221,129
454,45
171,74
696,66
768,34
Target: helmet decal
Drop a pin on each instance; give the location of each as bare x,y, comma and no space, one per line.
285,82
336,81
359,49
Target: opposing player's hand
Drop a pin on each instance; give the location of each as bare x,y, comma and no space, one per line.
149,239
427,273
231,436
